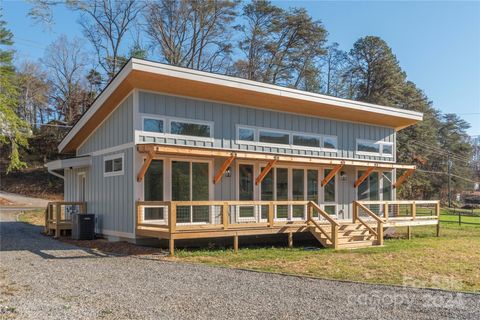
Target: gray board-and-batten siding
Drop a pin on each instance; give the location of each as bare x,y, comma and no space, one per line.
226,117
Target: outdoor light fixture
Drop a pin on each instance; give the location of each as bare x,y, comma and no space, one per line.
343,176
228,172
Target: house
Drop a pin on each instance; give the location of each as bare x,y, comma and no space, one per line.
174,153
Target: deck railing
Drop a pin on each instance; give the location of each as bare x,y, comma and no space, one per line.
381,212
184,215
58,215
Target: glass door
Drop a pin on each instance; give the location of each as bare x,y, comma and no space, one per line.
190,183
245,191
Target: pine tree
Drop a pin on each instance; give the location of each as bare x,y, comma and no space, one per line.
13,130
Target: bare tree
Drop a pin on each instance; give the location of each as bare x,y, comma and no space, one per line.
34,90
192,33
66,64
105,24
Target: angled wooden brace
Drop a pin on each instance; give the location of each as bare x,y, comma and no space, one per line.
363,177
403,177
223,168
265,171
331,174
145,166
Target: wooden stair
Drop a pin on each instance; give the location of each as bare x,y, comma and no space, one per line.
350,236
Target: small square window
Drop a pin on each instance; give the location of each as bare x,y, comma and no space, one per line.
113,165
108,166
153,125
117,164
246,134
387,149
330,143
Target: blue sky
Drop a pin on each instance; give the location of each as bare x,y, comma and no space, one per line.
437,43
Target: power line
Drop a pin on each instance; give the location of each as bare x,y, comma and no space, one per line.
441,172
439,150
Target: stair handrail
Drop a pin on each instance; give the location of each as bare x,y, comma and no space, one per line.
333,237
379,233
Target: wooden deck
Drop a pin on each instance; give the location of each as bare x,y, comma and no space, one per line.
225,219
58,216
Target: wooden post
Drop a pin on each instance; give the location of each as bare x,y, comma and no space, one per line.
225,209
355,212
409,233
309,212
171,245
334,236
58,214
380,233
459,218
290,240
385,211
270,214
437,209
172,218
235,243
414,210
438,229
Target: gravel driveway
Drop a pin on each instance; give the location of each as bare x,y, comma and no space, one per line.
42,278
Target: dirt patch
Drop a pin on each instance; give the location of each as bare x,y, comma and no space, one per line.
5,202
120,247
33,182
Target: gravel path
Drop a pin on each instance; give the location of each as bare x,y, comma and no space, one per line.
46,279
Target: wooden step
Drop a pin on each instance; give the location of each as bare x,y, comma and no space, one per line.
357,244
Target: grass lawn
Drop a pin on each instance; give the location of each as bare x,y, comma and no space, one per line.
450,262
35,217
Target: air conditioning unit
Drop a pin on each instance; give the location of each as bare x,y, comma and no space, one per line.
83,226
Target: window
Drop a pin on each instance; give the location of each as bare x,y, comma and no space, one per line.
379,148
306,141
387,186
246,134
330,194
113,165
329,189
298,140
153,125
312,185
298,176
274,137
190,183
282,192
387,149
190,129
246,178
153,191
368,146
330,142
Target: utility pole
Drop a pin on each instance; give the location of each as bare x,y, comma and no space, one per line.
449,164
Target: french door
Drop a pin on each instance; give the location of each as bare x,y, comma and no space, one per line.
190,182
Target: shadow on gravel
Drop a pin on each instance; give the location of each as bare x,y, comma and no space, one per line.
19,236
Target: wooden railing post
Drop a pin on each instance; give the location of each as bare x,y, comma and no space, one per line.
309,212
58,214
270,214
437,209
139,214
334,236
172,218
355,212
380,233
414,210
225,209
385,211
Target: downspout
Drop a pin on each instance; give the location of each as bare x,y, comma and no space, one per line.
55,173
